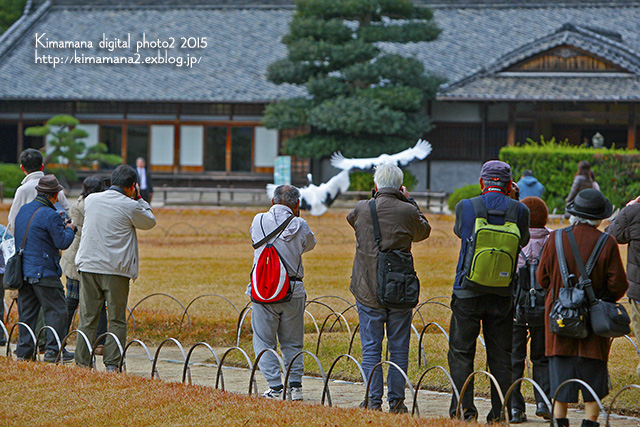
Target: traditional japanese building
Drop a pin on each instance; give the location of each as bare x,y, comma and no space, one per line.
194,102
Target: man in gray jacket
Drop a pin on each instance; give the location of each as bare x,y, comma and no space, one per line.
401,223
282,322
108,258
626,229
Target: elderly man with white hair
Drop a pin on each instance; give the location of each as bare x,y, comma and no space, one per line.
400,224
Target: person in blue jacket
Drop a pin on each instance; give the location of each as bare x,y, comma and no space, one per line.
530,186
472,307
45,237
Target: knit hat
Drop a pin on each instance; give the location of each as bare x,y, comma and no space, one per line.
539,214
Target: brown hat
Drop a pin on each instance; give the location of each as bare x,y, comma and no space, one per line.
48,184
538,211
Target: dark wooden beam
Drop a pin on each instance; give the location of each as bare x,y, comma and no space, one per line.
631,133
511,126
601,115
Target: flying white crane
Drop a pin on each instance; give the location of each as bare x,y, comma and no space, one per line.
317,198
420,151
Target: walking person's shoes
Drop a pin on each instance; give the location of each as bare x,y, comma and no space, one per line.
50,356
397,406
295,393
518,417
372,406
562,422
111,368
99,350
589,423
542,410
272,393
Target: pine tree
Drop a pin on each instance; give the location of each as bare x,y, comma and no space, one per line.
363,100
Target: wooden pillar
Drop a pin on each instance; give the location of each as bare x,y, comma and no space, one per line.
511,127
176,147
631,133
484,113
227,161
123,145
20,140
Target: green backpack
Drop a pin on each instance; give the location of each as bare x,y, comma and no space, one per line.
492,250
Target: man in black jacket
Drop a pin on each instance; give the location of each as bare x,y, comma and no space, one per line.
144,179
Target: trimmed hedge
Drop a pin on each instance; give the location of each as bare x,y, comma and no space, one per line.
363,181
554,164
466,192
11,175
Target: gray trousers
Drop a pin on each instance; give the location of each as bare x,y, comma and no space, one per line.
279,323
95,289
634,313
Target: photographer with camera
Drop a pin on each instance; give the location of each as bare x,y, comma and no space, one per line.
44,233
108,258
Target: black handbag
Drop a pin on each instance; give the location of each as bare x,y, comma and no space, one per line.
569,313
13,275
398,284
607,319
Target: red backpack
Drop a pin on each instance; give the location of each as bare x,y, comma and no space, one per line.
269,278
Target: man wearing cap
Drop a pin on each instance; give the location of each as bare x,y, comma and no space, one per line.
584,359
46,234
472,307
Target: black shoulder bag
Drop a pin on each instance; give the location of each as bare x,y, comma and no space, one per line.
398,284
13,275
608,319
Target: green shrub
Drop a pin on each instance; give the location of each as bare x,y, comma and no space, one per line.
363,181
11,175
466,192
554,164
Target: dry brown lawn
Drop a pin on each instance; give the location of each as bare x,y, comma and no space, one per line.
193,252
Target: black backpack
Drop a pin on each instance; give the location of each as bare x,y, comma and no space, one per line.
529,296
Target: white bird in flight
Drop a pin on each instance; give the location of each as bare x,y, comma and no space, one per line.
317,198
419,151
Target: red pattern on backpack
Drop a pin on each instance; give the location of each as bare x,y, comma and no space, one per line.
269,278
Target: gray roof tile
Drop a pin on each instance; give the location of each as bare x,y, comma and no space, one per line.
244,41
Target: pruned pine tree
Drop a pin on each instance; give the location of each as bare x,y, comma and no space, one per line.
363,100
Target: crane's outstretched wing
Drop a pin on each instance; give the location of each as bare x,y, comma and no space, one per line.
316,198
419,151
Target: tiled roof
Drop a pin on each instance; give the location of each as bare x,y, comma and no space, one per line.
245,39
558,87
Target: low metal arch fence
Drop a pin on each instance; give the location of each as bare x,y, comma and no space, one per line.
118,343
517,383
325,389
421,352
422,377
299,354
154,371
163,295
338,315
586,386
186,310
221,364
123,366
55,335
256,362
468,381
391,365
33,338
186,371
241,317
613,401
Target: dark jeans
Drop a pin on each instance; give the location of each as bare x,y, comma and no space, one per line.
3,339
539,361
50,298
372,327
495,313
72,306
